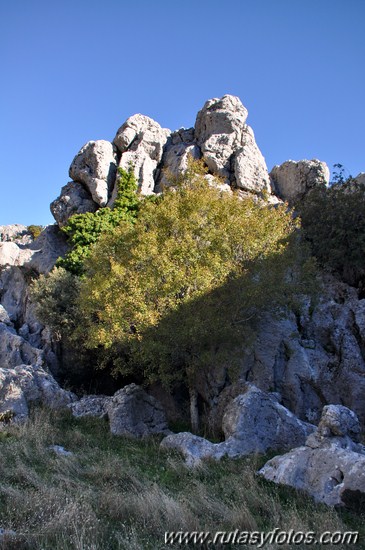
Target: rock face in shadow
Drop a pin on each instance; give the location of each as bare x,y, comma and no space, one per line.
254,422
131,412
292,180
330,467
25,384
74,199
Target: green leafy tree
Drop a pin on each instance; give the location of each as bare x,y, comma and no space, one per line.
169,296
83,230
333,220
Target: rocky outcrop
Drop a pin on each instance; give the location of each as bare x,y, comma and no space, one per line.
221,136
95,166
292,180
74,199
254,422
15,350
309,358
91,405
16,233
141,141
132,412
179,146
25,384
330,466
360,178
228,145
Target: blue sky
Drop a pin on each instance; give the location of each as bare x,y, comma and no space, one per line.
74,71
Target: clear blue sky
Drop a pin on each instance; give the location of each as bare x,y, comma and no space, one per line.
74,71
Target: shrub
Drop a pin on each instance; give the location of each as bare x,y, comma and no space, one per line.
83,230
172,294
333,220
35,230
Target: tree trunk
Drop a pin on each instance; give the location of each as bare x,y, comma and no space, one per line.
194,413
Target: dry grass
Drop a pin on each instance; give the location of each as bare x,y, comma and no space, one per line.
115,493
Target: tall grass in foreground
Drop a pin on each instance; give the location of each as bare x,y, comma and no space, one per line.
116,493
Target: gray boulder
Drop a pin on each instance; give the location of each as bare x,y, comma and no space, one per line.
25,384
293,179
95,166
91,405
141,141
254,422
228,145
194,449
180,145
16,233
15,350
13,293
330,466
9,254
132,412
360,178
74,199
4,316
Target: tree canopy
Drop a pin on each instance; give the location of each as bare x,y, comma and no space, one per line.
165,296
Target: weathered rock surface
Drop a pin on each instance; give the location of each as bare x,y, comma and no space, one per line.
194,449
74,199
292,180
310,359
27,384
95,166
16,233
91,405
132,412
330,466
15,350
141,141
179,146
360,178
228,145
4,316
254,422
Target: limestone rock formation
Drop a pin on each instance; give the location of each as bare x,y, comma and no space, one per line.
16,233
25,384
292,180
254,422
74,199
91,405
360,178
141,141
228,145
132,412
178,147
330,466
95,165
15,350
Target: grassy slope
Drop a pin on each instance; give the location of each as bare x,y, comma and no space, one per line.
118,493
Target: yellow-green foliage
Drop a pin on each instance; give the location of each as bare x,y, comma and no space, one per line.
55,298
35,230
83,230
172,291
